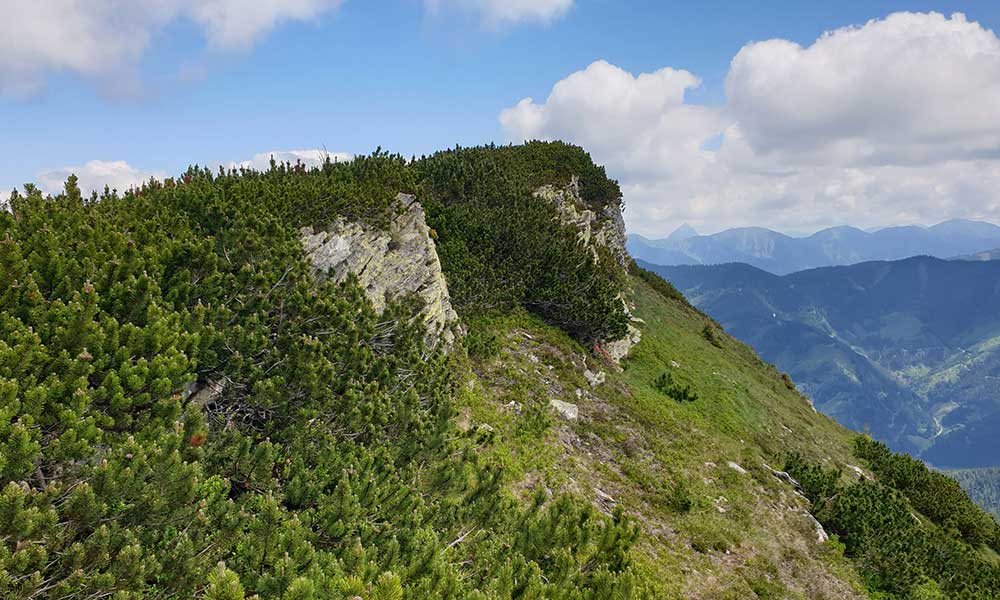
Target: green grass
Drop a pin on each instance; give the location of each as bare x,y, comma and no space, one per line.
708,530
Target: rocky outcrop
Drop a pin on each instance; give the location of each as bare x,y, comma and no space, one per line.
389,264
605,229
619,349
821,535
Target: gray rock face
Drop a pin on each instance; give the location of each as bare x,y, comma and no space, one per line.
389,264
605,229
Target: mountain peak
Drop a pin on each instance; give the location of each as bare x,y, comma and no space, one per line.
684,232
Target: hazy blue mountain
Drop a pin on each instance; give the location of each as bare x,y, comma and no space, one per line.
962,228
909,349
782,254
639,246
684,232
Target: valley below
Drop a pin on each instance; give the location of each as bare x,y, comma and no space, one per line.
909,350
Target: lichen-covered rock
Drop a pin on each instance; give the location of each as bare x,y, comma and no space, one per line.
606,228
206,392
388,264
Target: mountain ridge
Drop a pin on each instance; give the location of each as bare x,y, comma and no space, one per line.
842,245
238,385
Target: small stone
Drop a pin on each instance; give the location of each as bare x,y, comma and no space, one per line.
514,405
595,379
464,420
567,410
736,467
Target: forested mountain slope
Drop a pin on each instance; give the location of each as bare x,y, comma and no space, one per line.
205,392
907,348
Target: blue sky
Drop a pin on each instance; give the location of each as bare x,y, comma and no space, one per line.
416,76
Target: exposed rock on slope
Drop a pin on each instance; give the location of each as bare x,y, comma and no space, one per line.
619,349
388,264
606,229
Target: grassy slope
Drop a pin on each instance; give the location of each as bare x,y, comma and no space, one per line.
745,533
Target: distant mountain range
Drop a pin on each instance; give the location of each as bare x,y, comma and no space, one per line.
781,254
909,349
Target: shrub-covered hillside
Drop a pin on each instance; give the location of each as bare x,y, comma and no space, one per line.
188,410
329,465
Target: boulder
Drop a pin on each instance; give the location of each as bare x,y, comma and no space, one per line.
736,467
619,349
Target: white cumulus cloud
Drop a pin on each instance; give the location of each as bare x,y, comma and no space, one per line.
494,13
310,158
893,121
95,174
119,175
909,88
638,124
105,39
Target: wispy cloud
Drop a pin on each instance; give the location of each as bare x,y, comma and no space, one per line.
94,175
310,158
495,13
104,39
119,175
